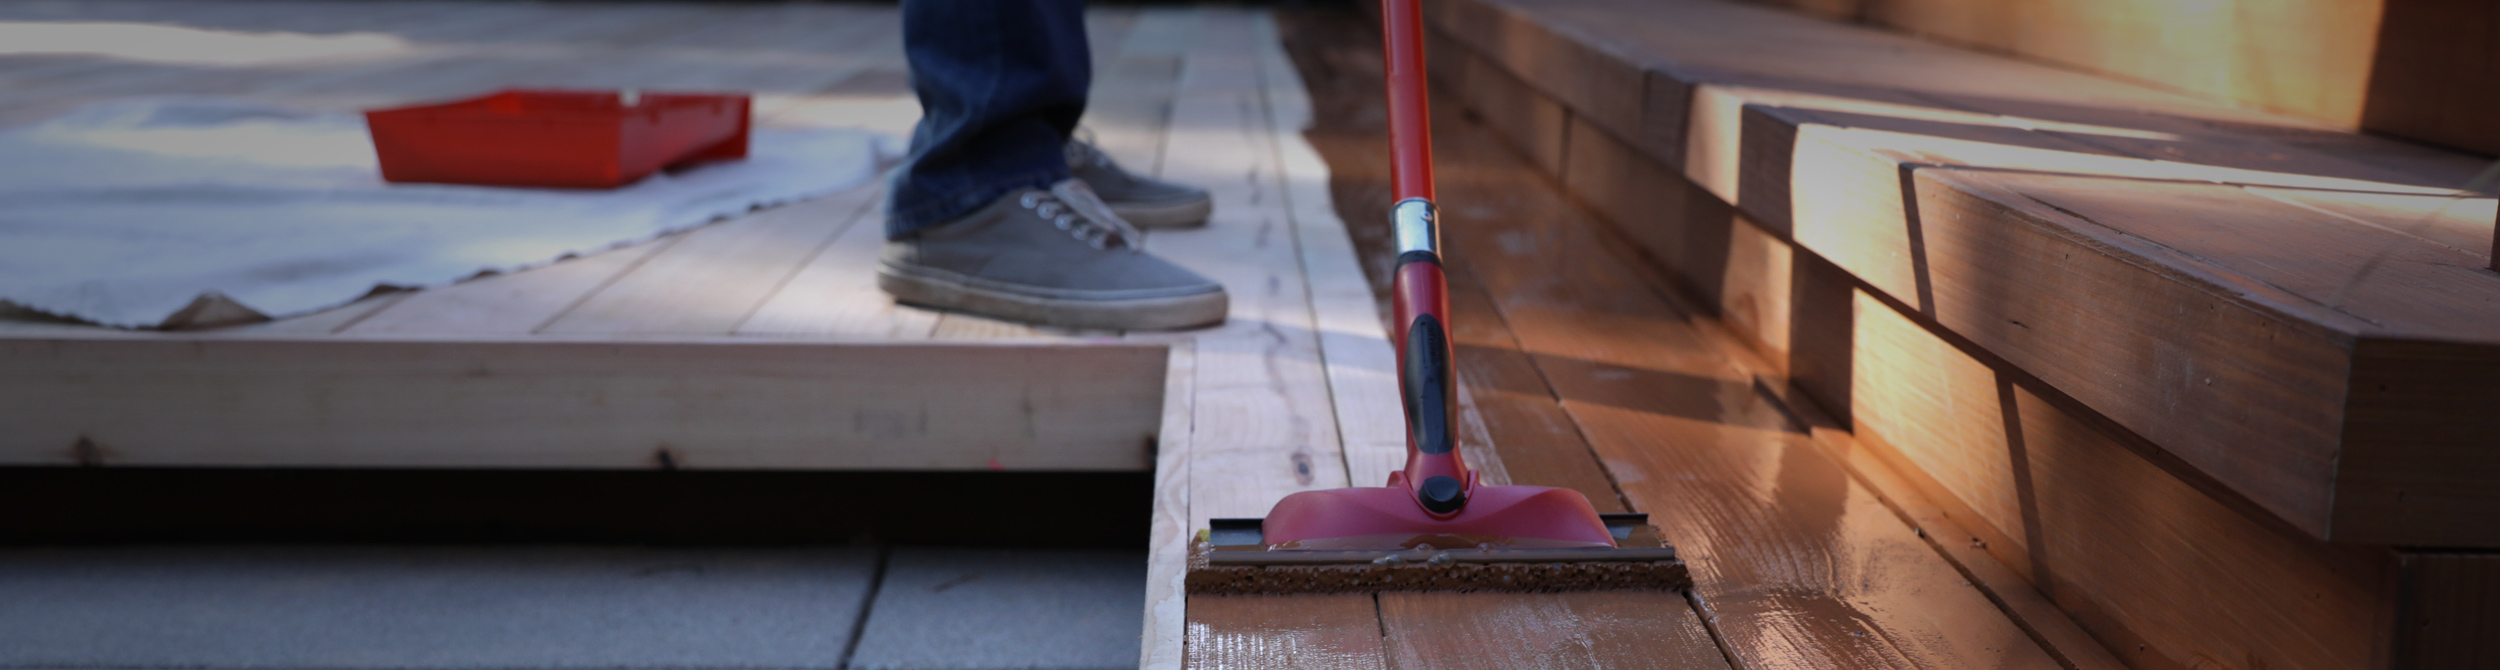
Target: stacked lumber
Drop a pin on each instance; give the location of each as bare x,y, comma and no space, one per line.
2215,382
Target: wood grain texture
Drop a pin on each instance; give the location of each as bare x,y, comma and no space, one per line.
2168,577
508,304
1583,71
711,281
1335,631
2452,603
2258,394
1264,414
1265,424
475,402
2310,57
2432,76
1620,629
1800,565
1353,338
1932,511
1169,531
963,327
1937,514
2280,391
1939,408
1722,259
1512,429
1506,395
2461,222
835,295
1977,302
2421,445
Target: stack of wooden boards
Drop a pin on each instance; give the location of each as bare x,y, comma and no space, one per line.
2218,382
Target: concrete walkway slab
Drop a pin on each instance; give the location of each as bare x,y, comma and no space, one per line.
430,607
950,609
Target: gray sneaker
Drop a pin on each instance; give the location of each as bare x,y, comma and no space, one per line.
1144,201
1056,258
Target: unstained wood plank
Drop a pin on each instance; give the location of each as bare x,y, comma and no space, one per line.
550,402
836,295
709,282
507,304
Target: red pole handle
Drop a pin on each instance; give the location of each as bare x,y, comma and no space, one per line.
1410,115
1435,476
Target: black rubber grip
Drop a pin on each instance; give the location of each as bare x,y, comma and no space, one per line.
1425,385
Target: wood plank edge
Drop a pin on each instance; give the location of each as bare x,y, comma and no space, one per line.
1167,564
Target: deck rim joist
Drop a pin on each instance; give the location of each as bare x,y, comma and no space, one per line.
138,399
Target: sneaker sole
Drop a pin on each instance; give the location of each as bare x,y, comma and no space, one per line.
1189,214
1173,313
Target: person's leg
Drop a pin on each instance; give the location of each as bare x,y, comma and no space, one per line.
1001,86
985,217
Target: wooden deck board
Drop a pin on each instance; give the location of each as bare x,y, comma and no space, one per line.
1495,631
1888,338
1252,632
836,296
548,402
1292,394
711,280
1527,410
1812,130
798,274
1797,563
509,304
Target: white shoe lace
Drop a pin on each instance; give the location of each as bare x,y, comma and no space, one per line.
1073,207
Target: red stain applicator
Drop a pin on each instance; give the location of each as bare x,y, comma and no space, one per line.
1433,526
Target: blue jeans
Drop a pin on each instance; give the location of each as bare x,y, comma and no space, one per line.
1001,85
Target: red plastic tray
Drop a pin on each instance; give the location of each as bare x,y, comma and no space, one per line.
577,139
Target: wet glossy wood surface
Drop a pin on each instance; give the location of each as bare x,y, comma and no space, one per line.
1507,404
1634,629
1855,143
1339,631
1798,564
2034,478
1582,374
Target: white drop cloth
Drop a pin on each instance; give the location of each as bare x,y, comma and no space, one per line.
125,212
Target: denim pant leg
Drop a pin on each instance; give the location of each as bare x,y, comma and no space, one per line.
1001,85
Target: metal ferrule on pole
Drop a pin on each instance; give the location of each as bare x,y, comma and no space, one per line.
1415,221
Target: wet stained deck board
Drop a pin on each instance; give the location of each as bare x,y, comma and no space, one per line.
1514,433
1496,631
1812,627
1432,630
1260,395
1258,632
2101,535
1798,564
1760,124
1823,577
